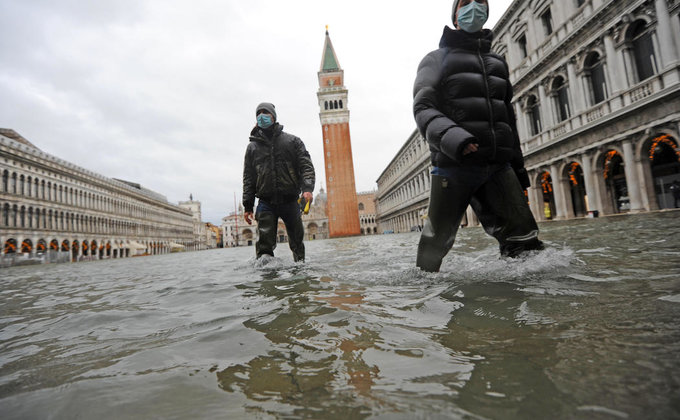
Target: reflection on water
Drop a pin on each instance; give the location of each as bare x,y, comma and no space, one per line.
586,329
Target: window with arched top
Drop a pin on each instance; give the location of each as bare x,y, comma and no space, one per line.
340,103
325,105
593,68
639,38
534,114
361,206
561,97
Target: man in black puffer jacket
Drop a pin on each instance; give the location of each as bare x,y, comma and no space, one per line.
462,107
277,168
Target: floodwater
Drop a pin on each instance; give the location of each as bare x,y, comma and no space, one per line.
587,329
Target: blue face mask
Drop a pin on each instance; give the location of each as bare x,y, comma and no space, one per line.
472,17
264,121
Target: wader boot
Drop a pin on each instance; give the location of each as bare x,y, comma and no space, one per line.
503,210
296,234
448,202
267,225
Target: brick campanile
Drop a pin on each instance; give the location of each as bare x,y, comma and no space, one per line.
342,207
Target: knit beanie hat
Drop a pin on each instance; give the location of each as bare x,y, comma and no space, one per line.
455,8
266,106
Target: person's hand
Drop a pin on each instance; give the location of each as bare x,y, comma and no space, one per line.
470,148
308,196
248,217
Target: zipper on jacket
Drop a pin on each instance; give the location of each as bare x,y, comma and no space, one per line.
276,178
488,96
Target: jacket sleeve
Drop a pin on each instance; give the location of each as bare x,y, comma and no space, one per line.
442,133
249,182
517,161
305,168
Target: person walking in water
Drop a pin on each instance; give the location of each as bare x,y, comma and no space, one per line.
461,104
276,169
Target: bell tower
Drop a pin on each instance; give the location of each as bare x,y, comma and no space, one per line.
342,207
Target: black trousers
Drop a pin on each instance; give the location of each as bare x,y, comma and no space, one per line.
495,196
267,216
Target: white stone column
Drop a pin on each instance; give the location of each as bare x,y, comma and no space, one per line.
558,192
632,181
591,193
629,66
536,202
664,30
578,100
521,122
545,108
614,66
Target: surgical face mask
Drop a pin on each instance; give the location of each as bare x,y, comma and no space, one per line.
472,17
264,120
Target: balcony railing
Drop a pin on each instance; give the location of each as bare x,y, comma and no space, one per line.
596,113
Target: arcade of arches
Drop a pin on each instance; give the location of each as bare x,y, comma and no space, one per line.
618,178
72,250
54,211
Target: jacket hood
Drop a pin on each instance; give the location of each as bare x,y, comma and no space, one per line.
457,38
259,134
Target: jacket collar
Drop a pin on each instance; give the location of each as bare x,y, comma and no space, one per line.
456,38
265,135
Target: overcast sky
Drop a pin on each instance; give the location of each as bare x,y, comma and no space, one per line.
163,92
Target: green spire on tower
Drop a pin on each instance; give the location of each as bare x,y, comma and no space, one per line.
329,61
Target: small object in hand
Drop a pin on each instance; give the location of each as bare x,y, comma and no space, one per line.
304,205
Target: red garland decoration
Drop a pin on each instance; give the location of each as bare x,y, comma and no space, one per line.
666,140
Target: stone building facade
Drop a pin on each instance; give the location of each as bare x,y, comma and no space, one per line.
597,98
316,221
54,211
236,232
200,231
597,95
367,213
404,188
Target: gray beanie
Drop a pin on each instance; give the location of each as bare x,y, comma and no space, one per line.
455,8
269,107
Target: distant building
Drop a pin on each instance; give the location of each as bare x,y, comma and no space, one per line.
213,236
236,232
367,213
343,216
54,211
199,226
404,188
316,222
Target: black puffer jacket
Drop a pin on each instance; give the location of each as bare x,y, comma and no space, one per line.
277,167
462,95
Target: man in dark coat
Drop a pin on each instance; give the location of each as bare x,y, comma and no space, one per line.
277,168
462,107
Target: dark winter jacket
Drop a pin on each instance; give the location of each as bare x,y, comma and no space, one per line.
277,167
462,95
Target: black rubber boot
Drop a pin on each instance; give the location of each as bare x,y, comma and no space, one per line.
296,234
267,225
448,202
504,212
